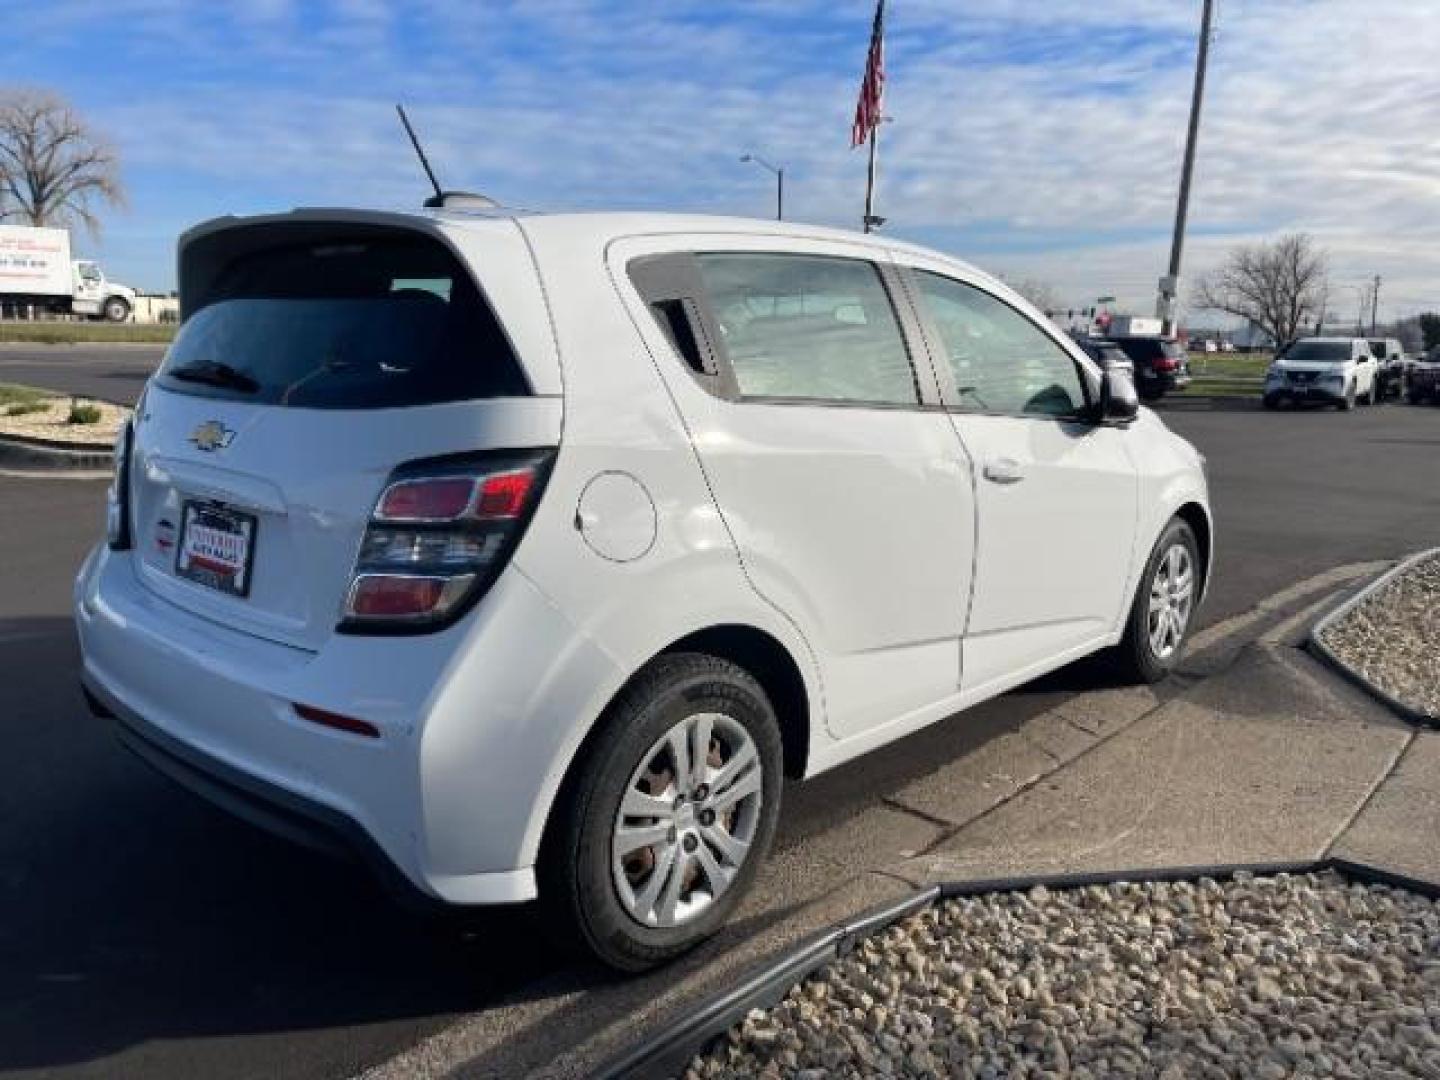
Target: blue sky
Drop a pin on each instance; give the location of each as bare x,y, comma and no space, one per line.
1038,139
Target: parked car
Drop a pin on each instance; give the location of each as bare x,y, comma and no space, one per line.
1106,354
1329,370
1161,364
1393,365
1423,383
526,554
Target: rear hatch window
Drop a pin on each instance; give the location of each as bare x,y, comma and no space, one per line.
380,323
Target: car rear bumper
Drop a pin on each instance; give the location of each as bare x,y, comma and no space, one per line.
269,806
476,725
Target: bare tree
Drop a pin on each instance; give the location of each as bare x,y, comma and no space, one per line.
1040,293
1280,287
54,168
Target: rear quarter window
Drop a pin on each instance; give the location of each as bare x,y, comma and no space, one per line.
378,323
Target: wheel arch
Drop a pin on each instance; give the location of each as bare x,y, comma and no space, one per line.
760,653
1198,518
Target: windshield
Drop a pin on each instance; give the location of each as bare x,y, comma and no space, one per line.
355,325
1317,352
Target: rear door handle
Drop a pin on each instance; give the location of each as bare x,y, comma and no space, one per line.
1004,471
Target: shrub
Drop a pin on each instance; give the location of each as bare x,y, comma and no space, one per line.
83,414
22,408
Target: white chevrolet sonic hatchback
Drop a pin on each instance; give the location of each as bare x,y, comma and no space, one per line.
524,555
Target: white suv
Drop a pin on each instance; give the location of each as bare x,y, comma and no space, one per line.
1331,370
525,554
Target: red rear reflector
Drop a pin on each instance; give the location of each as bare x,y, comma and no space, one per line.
378,594
503,495
426,500
337,721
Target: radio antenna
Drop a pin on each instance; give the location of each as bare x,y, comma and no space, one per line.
438,199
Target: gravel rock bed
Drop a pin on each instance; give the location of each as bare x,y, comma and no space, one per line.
1263,977
1393,637
49,424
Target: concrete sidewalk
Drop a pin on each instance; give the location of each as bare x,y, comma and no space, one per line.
1254,752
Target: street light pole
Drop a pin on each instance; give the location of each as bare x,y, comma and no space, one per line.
1170,284
779,171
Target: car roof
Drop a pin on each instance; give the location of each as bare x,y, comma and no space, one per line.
600,227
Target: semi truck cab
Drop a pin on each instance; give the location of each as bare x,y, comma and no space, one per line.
93,295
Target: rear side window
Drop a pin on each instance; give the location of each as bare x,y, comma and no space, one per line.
382,323
1001,361
809,327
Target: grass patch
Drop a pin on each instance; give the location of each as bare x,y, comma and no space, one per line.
72,333
1252,364
25,408
11,394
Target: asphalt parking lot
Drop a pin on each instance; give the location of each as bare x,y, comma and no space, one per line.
144,934
108,372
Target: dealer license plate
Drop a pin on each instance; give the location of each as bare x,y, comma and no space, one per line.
217,547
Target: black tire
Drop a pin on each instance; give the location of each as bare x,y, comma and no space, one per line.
117,309
1150,391
1134,659
1271,401
1346,403
577,887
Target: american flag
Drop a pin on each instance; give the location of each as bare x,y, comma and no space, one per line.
872,87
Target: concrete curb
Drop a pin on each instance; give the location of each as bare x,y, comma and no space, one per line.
38,455
666,1052
1316,646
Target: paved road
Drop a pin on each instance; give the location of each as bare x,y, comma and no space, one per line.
143,934
108,372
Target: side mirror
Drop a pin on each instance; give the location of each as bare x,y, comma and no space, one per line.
1118,400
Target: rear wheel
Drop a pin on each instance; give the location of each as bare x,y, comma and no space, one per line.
661,832
1271,401
1163,607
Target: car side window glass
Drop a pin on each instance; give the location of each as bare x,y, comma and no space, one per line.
809,327
1002,362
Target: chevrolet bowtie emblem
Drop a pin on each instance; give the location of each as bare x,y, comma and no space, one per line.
211,436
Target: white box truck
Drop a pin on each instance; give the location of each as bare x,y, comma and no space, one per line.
38,274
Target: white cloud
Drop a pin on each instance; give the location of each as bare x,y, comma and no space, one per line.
1037,138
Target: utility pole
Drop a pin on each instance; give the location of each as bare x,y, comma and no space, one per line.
1374,304
1170,283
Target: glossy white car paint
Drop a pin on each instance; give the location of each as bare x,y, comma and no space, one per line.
1358,375
875,547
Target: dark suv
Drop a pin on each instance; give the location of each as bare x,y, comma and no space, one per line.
1424,382
1161,364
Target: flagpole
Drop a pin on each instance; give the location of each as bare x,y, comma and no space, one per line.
870,177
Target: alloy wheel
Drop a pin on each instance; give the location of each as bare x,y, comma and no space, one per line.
687,820
1172,599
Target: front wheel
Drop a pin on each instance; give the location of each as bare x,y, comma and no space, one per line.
1163,607
660,834
116,309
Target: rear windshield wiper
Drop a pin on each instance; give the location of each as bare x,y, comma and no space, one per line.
214,373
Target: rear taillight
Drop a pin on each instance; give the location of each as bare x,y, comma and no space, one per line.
117,498
440,533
